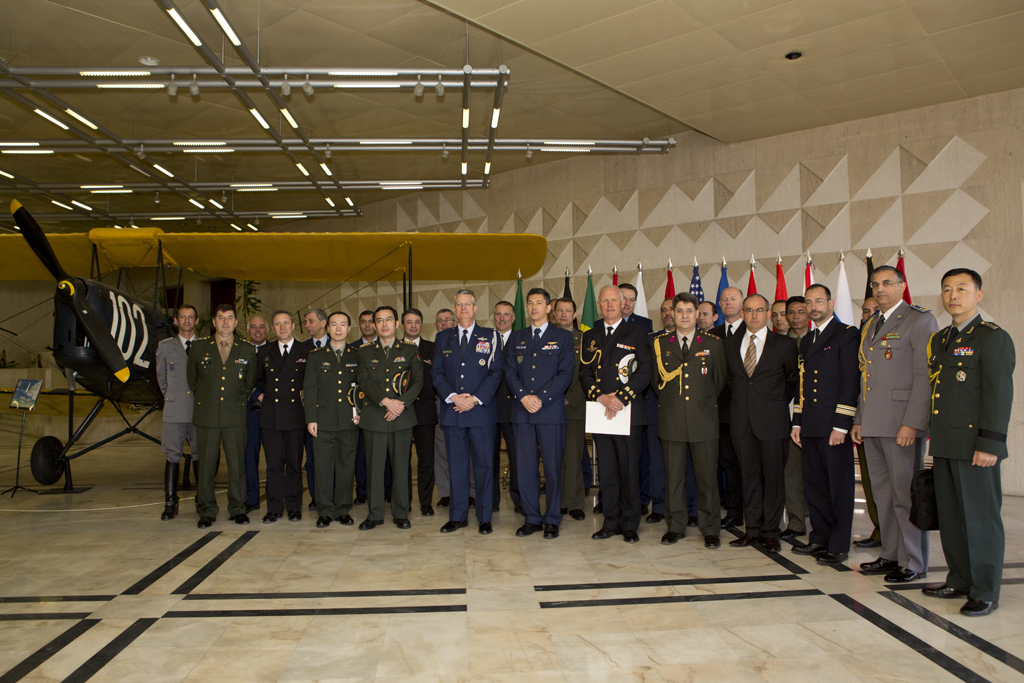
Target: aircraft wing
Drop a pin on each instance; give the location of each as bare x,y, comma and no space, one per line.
332,257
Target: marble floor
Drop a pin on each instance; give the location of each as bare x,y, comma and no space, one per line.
93,586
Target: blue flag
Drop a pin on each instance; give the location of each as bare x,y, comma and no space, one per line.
695,287
723,283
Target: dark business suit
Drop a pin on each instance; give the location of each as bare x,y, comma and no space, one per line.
312,345
505,430
830,384
469,435
283,421
540,366
618,457
730,485
426,422
759,425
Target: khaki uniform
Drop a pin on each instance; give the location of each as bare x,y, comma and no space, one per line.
575,434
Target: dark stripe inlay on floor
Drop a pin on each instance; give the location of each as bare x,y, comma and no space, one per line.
311,612
109,651
58,598
614,602
170,564
44,616
27,665
213,565
784,562
325,594
667,582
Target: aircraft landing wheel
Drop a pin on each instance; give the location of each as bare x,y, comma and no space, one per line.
47,463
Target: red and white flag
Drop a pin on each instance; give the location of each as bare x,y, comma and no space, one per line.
670,285
751,283
900,267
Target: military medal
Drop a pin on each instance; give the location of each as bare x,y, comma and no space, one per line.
703,371
483,361
961,376
888,354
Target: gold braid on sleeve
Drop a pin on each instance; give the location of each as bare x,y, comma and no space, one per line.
664,374
799,407
933,377
862,360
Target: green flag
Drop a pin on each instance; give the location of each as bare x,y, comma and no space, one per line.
518,308
589,306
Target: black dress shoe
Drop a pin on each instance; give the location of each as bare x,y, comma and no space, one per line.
731,521
578,515
360,500
630,537
312,504
403,524
744,541
901,575
528,529
811,549
346,520
867,543
599,509
270,518
241,519
443,502
453,526
518,509
644,510
691,521
789,534
323,522
205,522
654,518
472,501
564,511
250,508
604,532
485,528
879,566
670,538
978,608
368,524
712,542
550,531
833,559
772,544
426,511
943,591
294,516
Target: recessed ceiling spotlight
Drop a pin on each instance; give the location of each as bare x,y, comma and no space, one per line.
794,55
307,87
172,87
193,87
417,89
286,87
149,61
439,88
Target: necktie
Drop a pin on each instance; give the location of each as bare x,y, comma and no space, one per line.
318,343
814,339
610,330
686,345
878,327
188,346
465,341
225,351
337,353
728,331
750,360
952,335
536,336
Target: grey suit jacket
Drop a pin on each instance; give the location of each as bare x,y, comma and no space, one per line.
894,373
172,374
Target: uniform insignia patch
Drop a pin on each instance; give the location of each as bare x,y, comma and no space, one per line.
483,346
704,371
961,376
446,352
483,361
241,361
625,346
963,351
350,365
891,335
326,364
888,354
519,359
301,360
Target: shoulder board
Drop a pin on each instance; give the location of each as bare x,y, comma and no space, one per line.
662,333
409,343
985,323
919,308
713,336
248,342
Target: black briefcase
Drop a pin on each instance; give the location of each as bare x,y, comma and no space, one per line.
924,509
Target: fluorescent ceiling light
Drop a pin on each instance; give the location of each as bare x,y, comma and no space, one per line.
208,150
290,215
63,206
185,27
226,26
356,72
571,150
357,85
465,167
6,175
110,191
136,168
101,187
19,144
563,143
216,203
400,182
487,167
252,185
28,151
163,170
190,143
326,170
236,227
302,168
81,205
329,201
259,118
401,187
385,142
288,118
114,72
257,189
82,119
349,201
168,218
494,118
465,118
130,86
253,227
51,119
195,203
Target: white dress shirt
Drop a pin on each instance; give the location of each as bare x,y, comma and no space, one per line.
761,335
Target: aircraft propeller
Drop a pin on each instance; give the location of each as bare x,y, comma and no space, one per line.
72,290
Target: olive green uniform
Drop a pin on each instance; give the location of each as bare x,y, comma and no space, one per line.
329,396
382,373
221,391
575,434
971,374
688,386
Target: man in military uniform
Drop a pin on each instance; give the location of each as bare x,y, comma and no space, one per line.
538,371
892,419
796,317
504,316
330,397
468,365
868,309
445,319
971,369
254,435
822,418
172,375
221,375
425,407
575,423
615,369
390,379
690,373
730,480
367,335
315,322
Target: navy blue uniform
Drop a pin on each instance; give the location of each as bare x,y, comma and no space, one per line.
253,443
541,365
478,372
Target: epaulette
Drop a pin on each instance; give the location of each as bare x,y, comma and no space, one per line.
407,342
986,323
713,336
662,333
922,310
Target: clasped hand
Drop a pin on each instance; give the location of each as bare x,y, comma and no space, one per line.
612,404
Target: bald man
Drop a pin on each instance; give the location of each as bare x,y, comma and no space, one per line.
730,483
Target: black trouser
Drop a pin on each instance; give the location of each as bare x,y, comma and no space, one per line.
335,454
704,457
828,487
283,448
618,464
572,464
763,468
423,436
506,430
731,493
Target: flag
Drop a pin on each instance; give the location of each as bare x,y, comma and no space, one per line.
615,276
641,299
567,292
670,285
843,302
751,283
780,282
695,287
723,283
518,308
871,268
808,272
589,305
900,267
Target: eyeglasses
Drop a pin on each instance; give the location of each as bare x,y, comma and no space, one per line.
759,311
883,283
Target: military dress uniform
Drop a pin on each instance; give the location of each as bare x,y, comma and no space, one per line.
688,384
253,446
388,372
172,376
221,389
330,397
540,363
895,392
426,424
827,400
971,371
575,434
619,364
